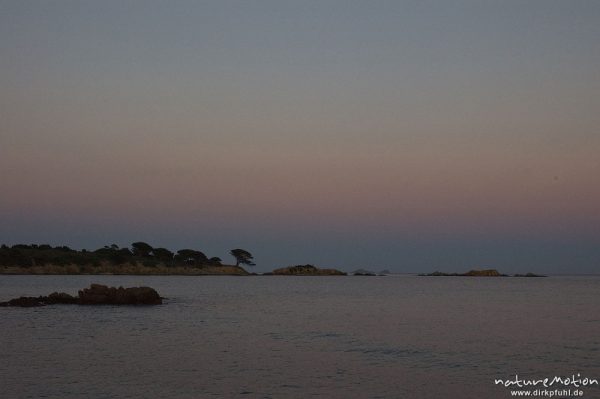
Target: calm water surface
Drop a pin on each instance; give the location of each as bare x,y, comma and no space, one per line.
300,337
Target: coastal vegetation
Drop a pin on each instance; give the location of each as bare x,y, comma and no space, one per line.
242,257
141,258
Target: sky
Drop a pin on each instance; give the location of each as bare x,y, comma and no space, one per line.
404,135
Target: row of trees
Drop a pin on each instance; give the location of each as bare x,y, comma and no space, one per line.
140,252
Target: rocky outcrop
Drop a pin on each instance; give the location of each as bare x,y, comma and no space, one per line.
24,302
32,301
60,297
101,294
97,294
483,273
305,270
471,273
363,272
529,275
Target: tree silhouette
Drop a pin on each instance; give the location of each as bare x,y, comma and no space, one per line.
242,256
28,255
163,254
141,249
215,261
191,257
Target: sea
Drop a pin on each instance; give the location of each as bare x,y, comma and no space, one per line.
397,336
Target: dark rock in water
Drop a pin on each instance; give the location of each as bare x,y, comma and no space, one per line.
101,294
529,275
95,295
60,297
30,301
24,302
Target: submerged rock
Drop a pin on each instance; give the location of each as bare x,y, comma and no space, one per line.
31,301
24,302
97,294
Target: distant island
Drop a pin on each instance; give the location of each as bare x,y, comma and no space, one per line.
364,272
480,273
529,275
140,259
304,270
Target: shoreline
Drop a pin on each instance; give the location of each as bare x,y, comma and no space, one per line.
124,270
139,269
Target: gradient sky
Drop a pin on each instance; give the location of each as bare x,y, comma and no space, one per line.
412,136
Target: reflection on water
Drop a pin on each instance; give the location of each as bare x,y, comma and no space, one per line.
298,337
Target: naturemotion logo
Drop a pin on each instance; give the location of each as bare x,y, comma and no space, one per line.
565,386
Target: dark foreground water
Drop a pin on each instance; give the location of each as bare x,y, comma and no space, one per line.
300,337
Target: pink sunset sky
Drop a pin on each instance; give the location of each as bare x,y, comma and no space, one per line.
406,136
